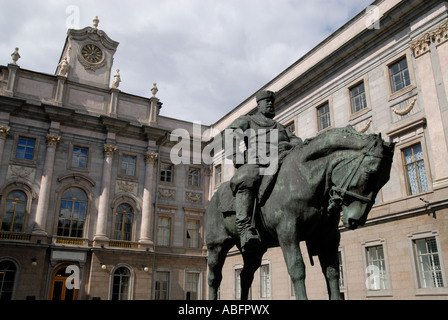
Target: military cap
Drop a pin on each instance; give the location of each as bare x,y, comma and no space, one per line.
265,95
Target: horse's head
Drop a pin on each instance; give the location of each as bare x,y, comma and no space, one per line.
356,180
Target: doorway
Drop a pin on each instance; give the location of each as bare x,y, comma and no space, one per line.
58,289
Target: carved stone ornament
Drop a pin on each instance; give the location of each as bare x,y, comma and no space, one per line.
437,35
4,131
126,186
109,150
402,112
365,127
193,196
21,172
151,157
52,140
167,193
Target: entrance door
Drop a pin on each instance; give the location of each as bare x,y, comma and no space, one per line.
58,289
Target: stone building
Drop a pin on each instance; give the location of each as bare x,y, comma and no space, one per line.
82,167
385,71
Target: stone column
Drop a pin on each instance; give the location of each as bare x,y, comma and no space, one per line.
4,131
148,200
45,185
101,223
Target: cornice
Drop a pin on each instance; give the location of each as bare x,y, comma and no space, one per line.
93,34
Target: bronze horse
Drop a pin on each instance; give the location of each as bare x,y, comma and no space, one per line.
338,170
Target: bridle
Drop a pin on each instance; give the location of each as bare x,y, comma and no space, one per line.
339,194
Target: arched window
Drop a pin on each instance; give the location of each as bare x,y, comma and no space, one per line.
8,271
124,216
72,215
121,284
13,216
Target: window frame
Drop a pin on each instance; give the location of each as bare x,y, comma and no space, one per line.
355,114
25,211
330,115
173,169
86,219
115,220
130,288
16,276
198,284
169,229
70,157
263,278
196,234
408,145
395,94
217,172
382,292
32,161
120,163
168,286
200,178
415,272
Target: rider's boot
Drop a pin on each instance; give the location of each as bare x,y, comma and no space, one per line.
250,240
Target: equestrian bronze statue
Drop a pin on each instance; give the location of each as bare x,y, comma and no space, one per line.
340,170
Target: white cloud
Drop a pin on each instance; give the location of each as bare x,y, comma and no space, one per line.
206,56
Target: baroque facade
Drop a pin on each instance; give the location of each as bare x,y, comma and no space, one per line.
385,71
83,165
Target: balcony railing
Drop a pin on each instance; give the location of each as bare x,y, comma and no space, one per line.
15,236
123,244
70,241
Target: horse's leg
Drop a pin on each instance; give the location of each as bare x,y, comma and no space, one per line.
216,258
295,265
329,261
252,260
330,268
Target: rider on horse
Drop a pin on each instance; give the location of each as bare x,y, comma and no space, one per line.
246,181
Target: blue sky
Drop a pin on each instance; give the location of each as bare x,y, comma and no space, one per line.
207,56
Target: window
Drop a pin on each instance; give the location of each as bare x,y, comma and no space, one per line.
80,157
427,258
399,75
128,165
13,217
162,285
7,277
376,268
123,222
121,284
218,170
341,270
238,283
358,97
163,231
414,167
73,213
192,234
194,177
166,172
192,286
265,281
25,148
323,117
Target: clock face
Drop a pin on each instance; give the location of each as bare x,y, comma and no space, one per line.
92,53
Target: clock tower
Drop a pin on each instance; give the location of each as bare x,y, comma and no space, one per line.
87,56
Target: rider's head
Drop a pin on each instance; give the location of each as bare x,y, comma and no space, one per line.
265,101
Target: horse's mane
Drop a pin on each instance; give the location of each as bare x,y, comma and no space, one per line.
336,139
